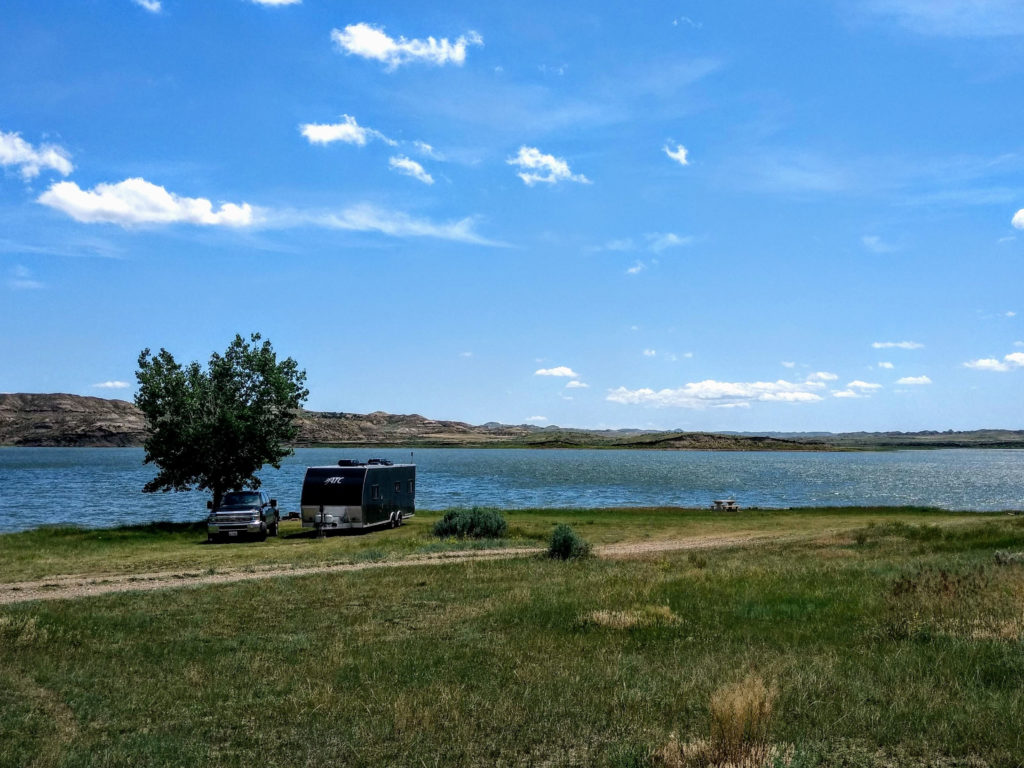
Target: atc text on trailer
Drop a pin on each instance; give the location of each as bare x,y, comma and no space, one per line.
355,494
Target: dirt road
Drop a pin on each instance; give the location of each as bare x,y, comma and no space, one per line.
71,587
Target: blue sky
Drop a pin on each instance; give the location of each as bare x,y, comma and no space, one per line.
697,215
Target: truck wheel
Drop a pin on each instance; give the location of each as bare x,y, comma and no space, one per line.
262,536
273,529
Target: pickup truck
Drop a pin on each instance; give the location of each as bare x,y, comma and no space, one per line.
243,513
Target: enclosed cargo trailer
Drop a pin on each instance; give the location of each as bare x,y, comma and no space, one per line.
354,495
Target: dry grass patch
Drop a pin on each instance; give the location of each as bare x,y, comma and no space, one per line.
979,604
741,715
636,618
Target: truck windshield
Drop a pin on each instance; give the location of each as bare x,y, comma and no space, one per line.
243,499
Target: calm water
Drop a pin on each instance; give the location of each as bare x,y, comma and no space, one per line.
102,486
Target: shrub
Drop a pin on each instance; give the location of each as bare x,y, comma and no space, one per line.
1005,557
475,523
566,544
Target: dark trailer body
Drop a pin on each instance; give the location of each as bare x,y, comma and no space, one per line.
355,494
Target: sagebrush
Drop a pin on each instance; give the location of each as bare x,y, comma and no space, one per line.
475,523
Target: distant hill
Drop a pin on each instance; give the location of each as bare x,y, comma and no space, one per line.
74,420
976,438
69,420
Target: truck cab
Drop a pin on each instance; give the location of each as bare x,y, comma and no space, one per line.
243,513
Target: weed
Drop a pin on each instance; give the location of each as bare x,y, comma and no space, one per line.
697,560
369,556
741,714
976,603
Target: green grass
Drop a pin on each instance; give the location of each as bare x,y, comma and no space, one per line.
47,552
898,647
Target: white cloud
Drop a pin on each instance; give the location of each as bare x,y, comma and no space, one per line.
277,2
659,242
897,345
955,18
650,353
1018,219
465,354
887,366
845,393
137,201
1010,361
536,419
863,385
425,149
368,218
560,370
372,42
636,269
687,21
710,393
875,244
536,166
1009,313
914,380
820,376
30,160
987,364
408,167
678,154
112,385
788,364
21,279
623,244
348,131
574,384
153,6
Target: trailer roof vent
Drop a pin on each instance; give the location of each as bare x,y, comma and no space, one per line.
384,462
348,463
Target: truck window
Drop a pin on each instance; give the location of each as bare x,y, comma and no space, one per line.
240,499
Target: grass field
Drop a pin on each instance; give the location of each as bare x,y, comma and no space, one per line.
878,638
168,546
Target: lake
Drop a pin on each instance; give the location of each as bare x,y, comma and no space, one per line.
102,486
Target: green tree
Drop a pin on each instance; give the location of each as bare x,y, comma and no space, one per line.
214,428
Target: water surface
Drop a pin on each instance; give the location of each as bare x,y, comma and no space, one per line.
102,486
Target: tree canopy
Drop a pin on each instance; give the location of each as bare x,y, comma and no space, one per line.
213,428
